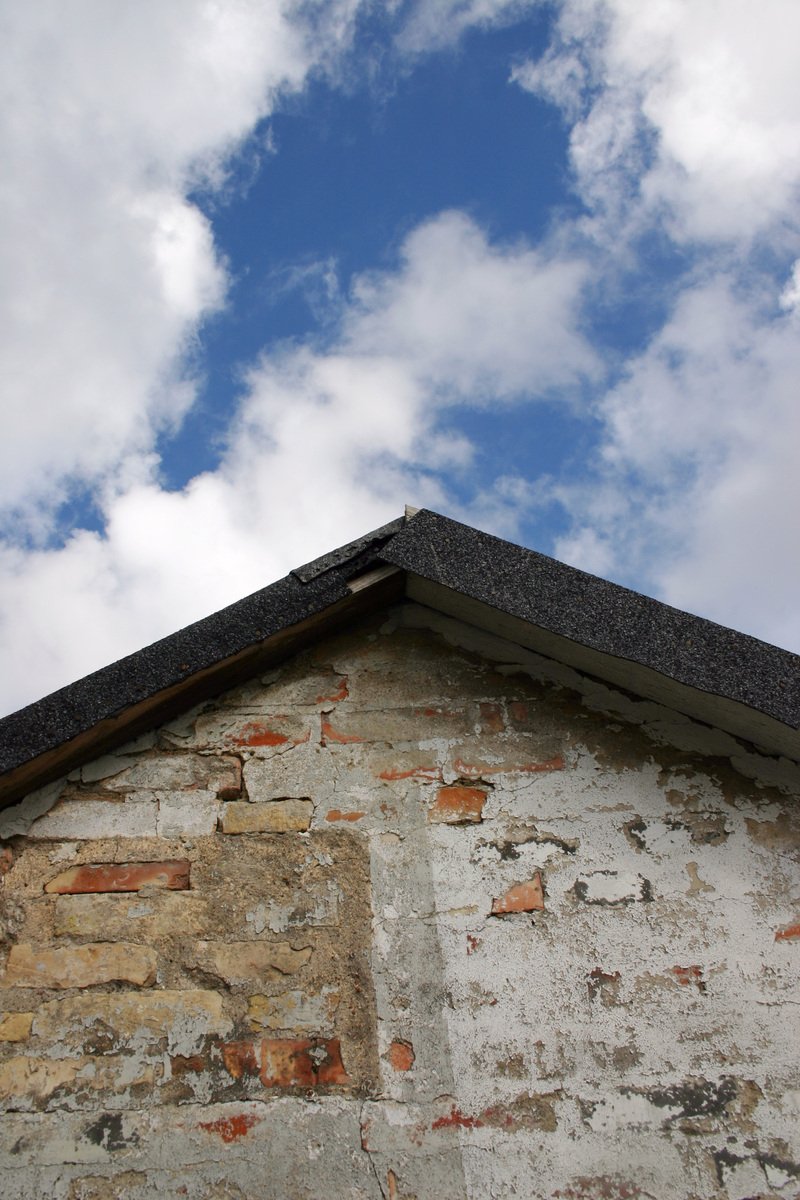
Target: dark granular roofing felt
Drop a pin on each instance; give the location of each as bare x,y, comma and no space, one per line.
609,618
517,582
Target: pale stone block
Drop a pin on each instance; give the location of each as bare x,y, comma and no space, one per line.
80,966
24,1081
124,916
297,774
220,774
185,1018
87,820
193,814
246,962
15,1027
105,767
295,1010
274,816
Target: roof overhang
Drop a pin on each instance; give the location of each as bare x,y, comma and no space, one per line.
715,675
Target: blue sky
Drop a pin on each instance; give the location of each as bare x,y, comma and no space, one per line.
273,269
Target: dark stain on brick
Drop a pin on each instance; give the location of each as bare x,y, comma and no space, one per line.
724,1158
581,892
106,1132
604,985
704,828
508,849
601,1187
634,831
780,1164
692,1098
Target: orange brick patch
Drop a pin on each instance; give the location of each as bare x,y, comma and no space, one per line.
329,734
121,877
401,1055
789,933
336,814
255,733
477,770
287,1062
457,805
230,1129
688,975
521,898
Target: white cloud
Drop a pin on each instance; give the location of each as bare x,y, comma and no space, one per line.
112,112
694,110
699,492
327,442
685,117
112,118
432,24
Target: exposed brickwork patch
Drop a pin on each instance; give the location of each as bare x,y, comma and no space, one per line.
230,1129
80,966
121,877
401,1055
521,898
271,816
686,976
288,1062
457,805
15,1027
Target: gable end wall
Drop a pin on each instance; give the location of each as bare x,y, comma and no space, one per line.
412,916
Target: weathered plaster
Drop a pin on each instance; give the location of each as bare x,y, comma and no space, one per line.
519,934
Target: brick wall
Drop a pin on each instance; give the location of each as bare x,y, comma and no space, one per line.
417,915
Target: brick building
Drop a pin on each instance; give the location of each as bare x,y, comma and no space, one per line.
437,869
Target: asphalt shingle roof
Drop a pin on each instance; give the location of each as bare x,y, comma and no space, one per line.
521,584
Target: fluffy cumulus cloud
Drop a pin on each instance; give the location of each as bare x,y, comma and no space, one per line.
683,109
311,458
111,116
678,121
685,119
431,24
698,490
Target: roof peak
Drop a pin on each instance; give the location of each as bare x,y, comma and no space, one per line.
716,674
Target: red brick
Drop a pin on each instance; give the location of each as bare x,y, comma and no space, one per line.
287,1062
491,718
341,693
789,933
329,734
457,805
422,771
121,877
257,733
522,897
192,1064
401,1055
688,975
336,814
230,1129
479,769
